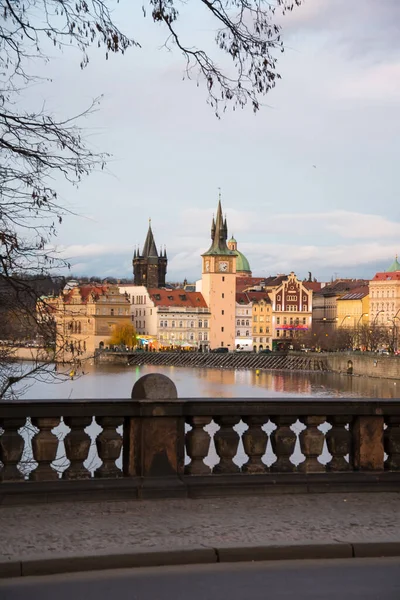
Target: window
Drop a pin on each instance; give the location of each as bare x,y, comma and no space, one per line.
247,322
261,330
205,336
304,320
247,333
242,322
191,337
223,295
255,319
291,320
222,329
200,322
112,312
267,330
278,320
254,329
238,322
238,334
278,307
200,336
205,324
278,297
284,320
278,333
222,312
223,278
304,298
173,324
191,324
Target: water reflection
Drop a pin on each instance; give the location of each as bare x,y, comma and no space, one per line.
116,381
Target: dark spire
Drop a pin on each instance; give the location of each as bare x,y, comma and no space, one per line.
149,248
165,251
219,231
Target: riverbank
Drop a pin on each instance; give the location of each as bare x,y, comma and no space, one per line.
351,363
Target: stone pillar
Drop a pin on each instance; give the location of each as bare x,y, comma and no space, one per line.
109,444
11,449
154,441
368,443
392,443
312,443
77,445
338,440
226,444
197,446
44,448
255,443
283,442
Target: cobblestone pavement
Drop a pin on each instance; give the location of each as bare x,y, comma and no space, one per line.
82,527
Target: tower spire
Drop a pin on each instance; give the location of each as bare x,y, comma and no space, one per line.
219,232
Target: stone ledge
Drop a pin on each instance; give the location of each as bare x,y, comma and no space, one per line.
224,553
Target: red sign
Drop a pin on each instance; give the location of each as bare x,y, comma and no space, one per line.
298,327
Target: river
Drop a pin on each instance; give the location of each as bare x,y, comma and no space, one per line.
116,381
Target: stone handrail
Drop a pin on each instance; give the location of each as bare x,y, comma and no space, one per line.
159,445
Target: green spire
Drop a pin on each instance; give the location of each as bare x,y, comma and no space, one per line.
395,266
219,232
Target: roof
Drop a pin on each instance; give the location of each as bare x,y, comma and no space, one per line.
219,234
233,240
242,264
395,266
149,248
243,283
341,286
356,294
178,298
87,291
315,286
248,297
387,276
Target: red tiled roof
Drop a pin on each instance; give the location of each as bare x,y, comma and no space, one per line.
257,296
387,276
85,292
315,286
242,298
162,297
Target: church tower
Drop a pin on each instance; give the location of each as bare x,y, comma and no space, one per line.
219,284
150,267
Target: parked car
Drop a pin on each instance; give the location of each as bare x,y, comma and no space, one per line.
221,350
384,351
265,351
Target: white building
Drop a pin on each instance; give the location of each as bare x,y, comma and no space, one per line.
243,322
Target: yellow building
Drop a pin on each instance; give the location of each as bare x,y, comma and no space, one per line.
384,291
261,320
85,317
353,308
218,285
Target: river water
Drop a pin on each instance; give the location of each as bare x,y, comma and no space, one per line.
116,381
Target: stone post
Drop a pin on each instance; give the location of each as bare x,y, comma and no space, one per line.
154,440
368,443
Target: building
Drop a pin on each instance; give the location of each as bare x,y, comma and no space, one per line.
353,308
244,322
169,319
242,264
291,310
324,308
85,317
262,320
218,284
149,266
384,297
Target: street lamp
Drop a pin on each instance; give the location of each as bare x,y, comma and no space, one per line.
344,318
363,315
376,316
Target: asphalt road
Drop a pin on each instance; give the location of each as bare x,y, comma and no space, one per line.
353,579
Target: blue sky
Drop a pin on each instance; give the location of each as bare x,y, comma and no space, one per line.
308,184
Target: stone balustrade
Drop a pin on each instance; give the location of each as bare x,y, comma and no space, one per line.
159,445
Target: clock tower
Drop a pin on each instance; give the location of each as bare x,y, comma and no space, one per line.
219,284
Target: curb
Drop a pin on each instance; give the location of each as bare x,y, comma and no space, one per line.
224,553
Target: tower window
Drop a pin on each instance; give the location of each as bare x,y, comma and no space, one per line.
223,295
222,329
222,312
223,278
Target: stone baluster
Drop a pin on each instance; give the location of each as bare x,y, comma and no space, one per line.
77,444
197,443
312,443
255,443
11,449
226,444
338,440
392,443
283,442
109,444
44,448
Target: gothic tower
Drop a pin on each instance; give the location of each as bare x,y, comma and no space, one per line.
150,267
219,284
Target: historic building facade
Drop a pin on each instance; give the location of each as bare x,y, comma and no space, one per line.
292,310
325,307
149,266
169,319
218,285
262,320
353,308
384,297
244,322
85,317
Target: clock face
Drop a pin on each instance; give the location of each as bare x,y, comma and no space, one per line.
223,267
207,265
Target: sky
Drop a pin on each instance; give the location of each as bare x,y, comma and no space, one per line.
310,183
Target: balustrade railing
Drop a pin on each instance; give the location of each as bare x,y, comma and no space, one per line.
169,446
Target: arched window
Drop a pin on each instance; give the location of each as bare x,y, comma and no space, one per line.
191,324
181,324
247,322
242,322
200,336
205,325
173,324
238,322
200,322
191,337
247,333
237,333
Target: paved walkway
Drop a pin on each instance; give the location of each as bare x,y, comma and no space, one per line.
84,527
